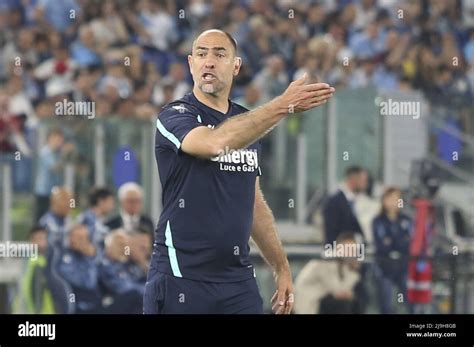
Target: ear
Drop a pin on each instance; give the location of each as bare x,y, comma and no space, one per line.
190,63
237,65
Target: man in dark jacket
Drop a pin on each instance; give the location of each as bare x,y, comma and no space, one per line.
339,215
130,219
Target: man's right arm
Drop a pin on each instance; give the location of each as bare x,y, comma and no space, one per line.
244,129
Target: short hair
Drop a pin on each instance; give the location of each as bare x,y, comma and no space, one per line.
36,229
232,40
129,187
55,131
97,194
353,170
110,237
388,191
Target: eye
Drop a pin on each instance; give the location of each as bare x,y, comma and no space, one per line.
200,54
221,55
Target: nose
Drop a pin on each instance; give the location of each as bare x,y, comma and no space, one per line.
210,63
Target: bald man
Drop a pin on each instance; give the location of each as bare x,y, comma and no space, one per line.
57,221
208,153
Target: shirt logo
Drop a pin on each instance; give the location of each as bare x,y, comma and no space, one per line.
180,108
242,160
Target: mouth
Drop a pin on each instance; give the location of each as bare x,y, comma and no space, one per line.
208,77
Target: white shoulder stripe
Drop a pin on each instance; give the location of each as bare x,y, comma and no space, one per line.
167,134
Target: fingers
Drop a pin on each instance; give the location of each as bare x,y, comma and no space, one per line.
278,305
319,99
282,304
289,303
318,86
316,104
321,95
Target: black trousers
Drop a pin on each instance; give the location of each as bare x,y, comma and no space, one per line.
330,305
42,206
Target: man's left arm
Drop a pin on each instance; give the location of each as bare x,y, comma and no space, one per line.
265,236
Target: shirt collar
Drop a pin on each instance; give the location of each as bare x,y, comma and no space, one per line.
350,196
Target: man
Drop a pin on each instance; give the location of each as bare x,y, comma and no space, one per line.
79,266
50,166
327,285
102,203
212,203
339,212
114,268
340,216
56,220
130,220
35,296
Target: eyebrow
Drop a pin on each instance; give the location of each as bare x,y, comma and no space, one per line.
213,48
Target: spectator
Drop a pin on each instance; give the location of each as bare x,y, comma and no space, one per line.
272,80
61,16
251,98
34,294
339,213
49,172
101,204
86,50
340,216
158,24
392,231
110,29
130,219
11,128
116,79
175,78
327,285
57,220
57,72
114,268
79,268
140,253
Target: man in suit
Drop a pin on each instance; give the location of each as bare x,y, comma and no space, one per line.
339,213
340,217
130,219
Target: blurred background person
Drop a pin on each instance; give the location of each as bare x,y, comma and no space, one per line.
115,275
391,233
101,204
50,169
140,253
340,215
34,295
339,212
131,219
57,220
78,266
326,286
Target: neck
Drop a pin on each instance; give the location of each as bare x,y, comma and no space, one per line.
97,211
217,102
392,215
